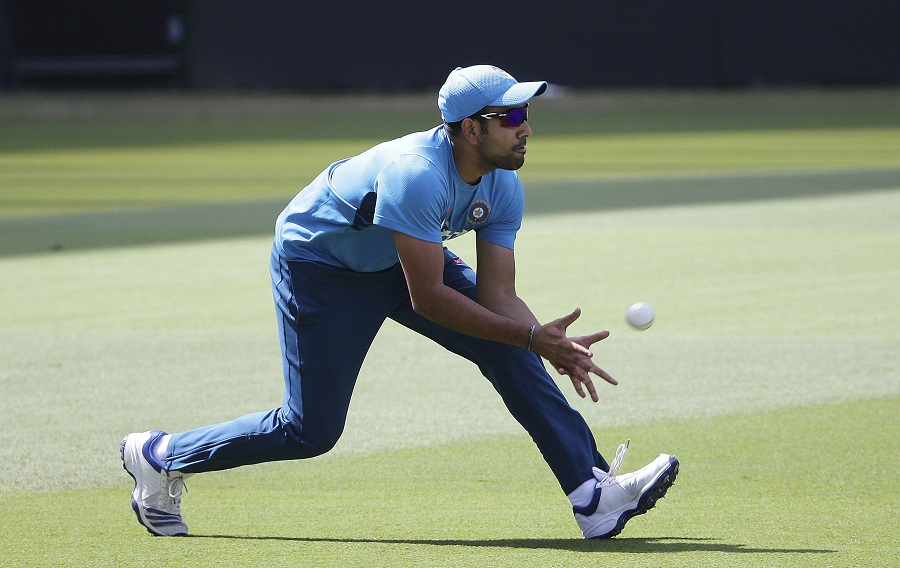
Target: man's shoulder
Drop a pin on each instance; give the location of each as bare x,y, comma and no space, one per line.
427,143
503,180
418,154
436,135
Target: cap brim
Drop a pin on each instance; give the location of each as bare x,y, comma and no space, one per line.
520,93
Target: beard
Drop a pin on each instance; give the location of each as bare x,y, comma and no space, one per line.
502,158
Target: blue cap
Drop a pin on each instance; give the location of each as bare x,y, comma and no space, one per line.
470,89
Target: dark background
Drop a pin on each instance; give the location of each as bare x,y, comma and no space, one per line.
407,44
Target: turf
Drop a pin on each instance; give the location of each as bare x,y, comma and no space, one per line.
767,243
53,181
772,489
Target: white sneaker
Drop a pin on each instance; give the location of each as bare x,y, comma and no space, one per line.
619,498
156,498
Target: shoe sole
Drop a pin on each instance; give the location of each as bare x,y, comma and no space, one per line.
655,491
135,506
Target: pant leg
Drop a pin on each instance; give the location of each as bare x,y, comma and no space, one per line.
327,319
519,376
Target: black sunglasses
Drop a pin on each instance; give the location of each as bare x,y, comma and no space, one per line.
512,118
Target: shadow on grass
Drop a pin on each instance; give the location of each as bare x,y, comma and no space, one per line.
624,545
195,222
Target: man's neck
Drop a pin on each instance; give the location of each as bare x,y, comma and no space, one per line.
466,165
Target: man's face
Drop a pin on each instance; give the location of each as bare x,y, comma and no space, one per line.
502,147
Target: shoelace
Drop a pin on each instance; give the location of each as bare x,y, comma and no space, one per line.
620,457
174,489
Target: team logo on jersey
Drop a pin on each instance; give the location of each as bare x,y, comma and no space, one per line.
478,212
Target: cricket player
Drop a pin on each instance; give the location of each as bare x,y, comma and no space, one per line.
364,242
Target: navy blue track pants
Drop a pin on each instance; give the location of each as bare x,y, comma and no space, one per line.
327,320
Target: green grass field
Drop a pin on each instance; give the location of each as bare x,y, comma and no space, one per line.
763,226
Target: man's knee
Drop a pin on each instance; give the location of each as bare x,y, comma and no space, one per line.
306,438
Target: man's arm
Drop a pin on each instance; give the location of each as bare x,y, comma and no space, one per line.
500,315
497,282
423,266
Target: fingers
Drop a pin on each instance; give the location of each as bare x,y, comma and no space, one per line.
579,348
605,376
594,396
578,388
599,336
581,383
573,357
581,379
566,321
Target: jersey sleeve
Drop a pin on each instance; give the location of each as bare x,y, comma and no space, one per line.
506,218
412,197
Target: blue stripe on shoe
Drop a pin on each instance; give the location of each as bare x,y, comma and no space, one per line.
590,508
159,520
161,515
166,523
148,449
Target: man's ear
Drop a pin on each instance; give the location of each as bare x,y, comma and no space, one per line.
471,130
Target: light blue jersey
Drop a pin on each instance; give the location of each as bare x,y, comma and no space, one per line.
346,217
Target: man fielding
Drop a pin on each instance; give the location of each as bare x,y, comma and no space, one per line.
365,242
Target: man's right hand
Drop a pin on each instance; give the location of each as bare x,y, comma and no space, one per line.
571,355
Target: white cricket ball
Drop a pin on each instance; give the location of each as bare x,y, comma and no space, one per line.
640,315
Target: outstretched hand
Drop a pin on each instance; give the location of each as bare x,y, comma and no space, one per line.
571,356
